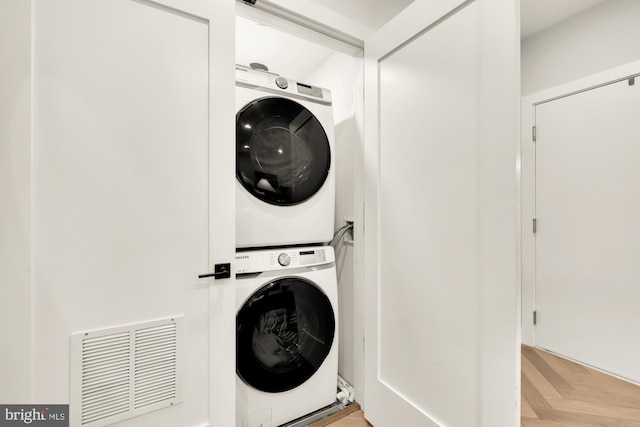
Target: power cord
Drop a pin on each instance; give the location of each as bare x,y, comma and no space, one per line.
339,234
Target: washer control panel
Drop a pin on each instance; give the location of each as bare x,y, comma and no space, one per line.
283,259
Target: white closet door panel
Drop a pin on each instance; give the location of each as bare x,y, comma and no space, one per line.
439,246
588,237
427,295
121,189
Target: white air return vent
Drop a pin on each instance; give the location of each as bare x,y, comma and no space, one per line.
123,372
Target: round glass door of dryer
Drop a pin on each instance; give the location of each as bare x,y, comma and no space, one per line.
284,332
282,151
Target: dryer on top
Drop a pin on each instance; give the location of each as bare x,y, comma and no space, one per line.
285,192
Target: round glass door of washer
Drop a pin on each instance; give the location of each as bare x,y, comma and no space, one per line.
282,151
284,331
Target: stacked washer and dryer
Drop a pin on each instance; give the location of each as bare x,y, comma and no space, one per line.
286,299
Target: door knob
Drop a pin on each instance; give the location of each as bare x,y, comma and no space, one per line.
220,271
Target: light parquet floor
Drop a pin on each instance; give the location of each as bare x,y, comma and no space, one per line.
557,392
351,416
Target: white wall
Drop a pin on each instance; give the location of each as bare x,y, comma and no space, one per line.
15,201
595,40
342,75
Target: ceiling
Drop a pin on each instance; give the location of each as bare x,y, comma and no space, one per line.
260,43
537,15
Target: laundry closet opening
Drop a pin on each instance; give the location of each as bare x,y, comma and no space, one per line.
295,53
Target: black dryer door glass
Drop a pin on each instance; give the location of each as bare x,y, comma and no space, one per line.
284,332
282,151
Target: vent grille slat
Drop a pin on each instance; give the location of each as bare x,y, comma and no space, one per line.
152,389
154,399
105,355
152,367
105,339
166,362
124,372
143,334
91,391
156,329
101,406
105,382
104,396
152,345
98,343
99,373
97,351
106,414
141,381
166,382
106,364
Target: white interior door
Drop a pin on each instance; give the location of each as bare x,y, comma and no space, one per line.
588,238
440,211
133,189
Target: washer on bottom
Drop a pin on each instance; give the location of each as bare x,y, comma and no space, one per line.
286,334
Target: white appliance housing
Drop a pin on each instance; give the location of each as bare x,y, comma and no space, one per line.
266,280
297,207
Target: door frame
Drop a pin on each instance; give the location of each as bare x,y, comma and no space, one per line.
345,36
528,179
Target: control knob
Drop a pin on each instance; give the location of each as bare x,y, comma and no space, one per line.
282,82
284,259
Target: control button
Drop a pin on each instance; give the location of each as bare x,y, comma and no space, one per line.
282,82
284,259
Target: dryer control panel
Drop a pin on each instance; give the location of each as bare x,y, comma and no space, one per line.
260,261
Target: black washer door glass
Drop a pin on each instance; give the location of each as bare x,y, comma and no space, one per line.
284,331
282,151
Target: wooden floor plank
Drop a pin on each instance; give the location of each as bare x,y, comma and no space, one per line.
598,409
533,396
584,420
587,398
575,367
540,423
590,394
558,382
540,382
337,419
527,411
556,363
